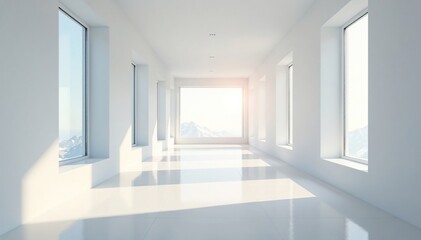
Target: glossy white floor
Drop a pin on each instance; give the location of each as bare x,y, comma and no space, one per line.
215,192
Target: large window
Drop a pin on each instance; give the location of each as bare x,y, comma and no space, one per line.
356,89
290,102
72,90
211,112
134,103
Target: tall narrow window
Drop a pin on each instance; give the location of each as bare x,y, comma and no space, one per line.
134,102
356,89
290,103
261,111
161,110
72,91
283,98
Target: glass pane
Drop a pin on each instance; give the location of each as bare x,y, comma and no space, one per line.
211,112
161,103
71,88
290,103
261,110
356,89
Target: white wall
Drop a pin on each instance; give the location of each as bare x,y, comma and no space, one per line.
393,178
31,181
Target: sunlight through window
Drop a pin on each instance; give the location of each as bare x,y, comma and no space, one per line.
356,89
211,112
72,73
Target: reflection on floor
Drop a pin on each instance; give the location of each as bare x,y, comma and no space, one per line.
216,193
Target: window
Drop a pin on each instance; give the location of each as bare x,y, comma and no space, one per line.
142,105
72,88
252,109
290,104
172,113
356,89
284,86
261,111
134,92
211,112
161,98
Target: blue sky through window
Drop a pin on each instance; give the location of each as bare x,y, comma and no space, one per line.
71,87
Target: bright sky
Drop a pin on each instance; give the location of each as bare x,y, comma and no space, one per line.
356,74
71,43
215,108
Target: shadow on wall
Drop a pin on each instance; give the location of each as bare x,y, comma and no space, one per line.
29,179
39,184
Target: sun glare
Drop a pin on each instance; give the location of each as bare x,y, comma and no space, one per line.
211,112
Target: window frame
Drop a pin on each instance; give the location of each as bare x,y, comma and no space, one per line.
135,104
85,85
344,86
158,115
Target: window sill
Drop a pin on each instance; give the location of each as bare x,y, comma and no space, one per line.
283,146
262,140
348,163
65,167
134,147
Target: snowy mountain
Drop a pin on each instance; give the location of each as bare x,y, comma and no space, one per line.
358,140
70,148
191,129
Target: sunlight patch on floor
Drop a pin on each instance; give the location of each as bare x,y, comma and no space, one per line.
107,202
205,164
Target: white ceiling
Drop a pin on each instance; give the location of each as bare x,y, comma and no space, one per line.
246,31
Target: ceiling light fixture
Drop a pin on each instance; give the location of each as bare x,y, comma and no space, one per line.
211,56
212,34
